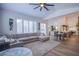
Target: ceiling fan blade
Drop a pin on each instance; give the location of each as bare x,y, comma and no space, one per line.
49,4
46,8
36,7
34,3
40,8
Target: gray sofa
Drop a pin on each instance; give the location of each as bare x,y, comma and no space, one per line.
28,37
25,38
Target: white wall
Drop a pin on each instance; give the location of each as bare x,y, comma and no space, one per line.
6,14
0,22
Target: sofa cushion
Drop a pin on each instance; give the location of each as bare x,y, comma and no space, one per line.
17,36
28,38
4,39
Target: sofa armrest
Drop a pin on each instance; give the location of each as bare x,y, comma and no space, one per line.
43,38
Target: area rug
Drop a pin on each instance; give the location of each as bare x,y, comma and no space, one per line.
40,48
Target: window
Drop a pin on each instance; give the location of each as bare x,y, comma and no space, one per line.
19,26
30,26
25,26
35,26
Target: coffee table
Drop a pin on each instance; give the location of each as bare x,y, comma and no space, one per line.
18,51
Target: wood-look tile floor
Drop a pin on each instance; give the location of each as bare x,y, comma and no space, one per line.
69,47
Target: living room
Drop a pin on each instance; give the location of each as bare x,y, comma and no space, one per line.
41,32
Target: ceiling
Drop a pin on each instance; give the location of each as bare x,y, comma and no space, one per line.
25,8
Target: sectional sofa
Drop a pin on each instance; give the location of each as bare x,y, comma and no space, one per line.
28,37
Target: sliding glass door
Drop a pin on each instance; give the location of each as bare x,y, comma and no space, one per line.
43,28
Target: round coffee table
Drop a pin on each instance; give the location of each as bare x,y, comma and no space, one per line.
18,51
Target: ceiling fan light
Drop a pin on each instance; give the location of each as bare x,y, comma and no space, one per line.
41,5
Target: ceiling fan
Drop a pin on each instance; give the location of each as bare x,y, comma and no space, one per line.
42,5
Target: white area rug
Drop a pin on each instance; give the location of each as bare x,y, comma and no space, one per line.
40,48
